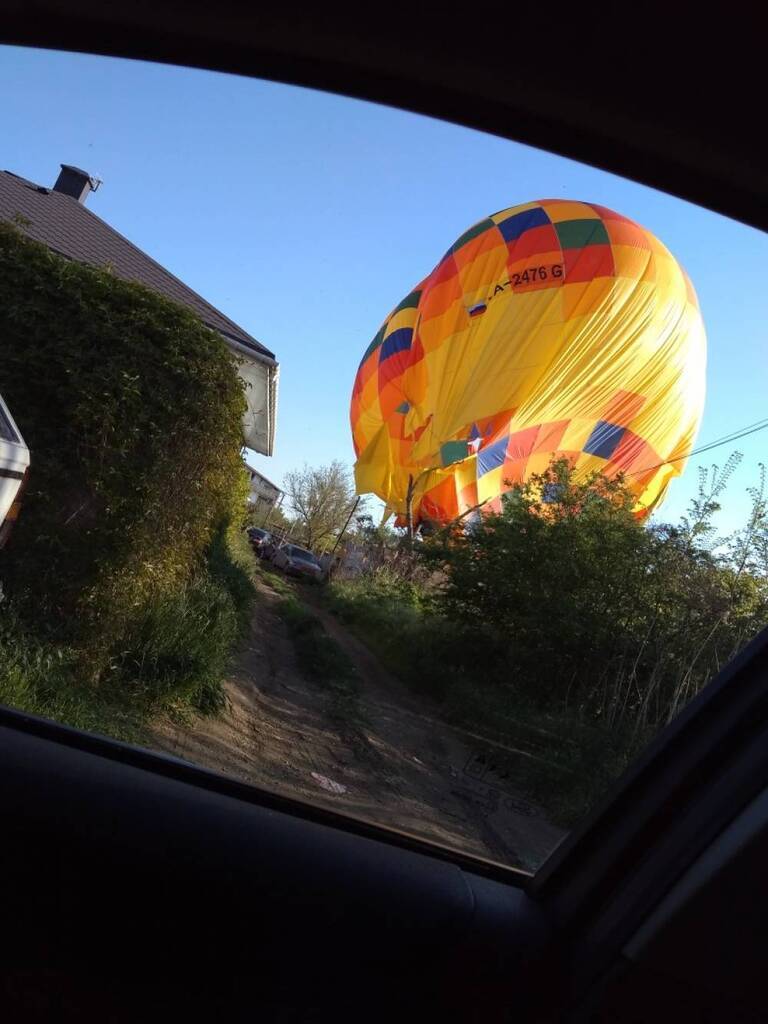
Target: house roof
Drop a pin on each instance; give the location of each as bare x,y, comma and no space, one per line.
71,229
258,473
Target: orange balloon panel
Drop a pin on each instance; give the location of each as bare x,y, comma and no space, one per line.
555,328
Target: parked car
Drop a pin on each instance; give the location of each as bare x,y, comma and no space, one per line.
270,548
14,470
259,539
296,561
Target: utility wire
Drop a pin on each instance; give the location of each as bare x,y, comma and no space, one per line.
753,428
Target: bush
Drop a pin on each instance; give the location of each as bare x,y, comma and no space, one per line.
323,661
180,644
573,602
132,409
41,679
179,647
390,611
565,628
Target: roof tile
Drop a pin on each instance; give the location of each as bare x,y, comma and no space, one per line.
71,229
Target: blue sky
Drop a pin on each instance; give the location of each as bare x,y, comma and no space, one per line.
307,217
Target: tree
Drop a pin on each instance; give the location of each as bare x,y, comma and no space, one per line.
321,500
550,582
565,595
266,518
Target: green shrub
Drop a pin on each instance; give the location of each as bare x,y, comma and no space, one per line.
128,581
232,565
181,643
41,678
566,629
132,411
573,602
318,655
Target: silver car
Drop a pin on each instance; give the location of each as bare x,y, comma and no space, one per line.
296,561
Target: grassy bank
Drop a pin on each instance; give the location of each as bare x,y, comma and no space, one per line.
42,679
173,657
562,626
574,761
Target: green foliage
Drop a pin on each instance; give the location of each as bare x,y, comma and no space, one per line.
42,679
132,410
267,519
566,593
547,586
232,566
322,660
178,647
564,618
123,556
390,610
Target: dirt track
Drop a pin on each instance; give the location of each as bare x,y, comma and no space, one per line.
397,765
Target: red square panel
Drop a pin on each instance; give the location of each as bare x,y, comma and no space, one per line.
624,232
633,454
393,368
440,501
513,472
550,436
522,443
444,272
533,242
587,263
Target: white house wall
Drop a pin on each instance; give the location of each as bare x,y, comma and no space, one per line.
261,378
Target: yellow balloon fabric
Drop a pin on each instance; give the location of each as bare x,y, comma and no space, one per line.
551,329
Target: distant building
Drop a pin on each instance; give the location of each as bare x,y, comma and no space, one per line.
264,494
58,218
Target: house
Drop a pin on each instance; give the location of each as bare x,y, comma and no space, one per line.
264,494
60,219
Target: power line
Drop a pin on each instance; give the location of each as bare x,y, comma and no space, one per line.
753,428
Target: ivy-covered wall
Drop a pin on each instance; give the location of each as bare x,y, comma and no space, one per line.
132,412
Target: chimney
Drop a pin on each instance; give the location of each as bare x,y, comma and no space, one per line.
76,183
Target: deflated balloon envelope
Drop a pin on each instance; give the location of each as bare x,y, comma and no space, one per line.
555,328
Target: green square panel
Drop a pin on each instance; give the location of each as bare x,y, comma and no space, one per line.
453,451
375,343
409,302
575,234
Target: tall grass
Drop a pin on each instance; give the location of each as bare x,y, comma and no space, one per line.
323,661
42,679
173,654
575,740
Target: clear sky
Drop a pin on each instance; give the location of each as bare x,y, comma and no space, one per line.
307,217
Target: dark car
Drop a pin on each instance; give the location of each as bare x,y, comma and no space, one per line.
270,547
296,561
259,538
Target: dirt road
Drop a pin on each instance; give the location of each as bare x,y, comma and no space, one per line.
393,763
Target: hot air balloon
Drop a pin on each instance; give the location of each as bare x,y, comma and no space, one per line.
551,329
